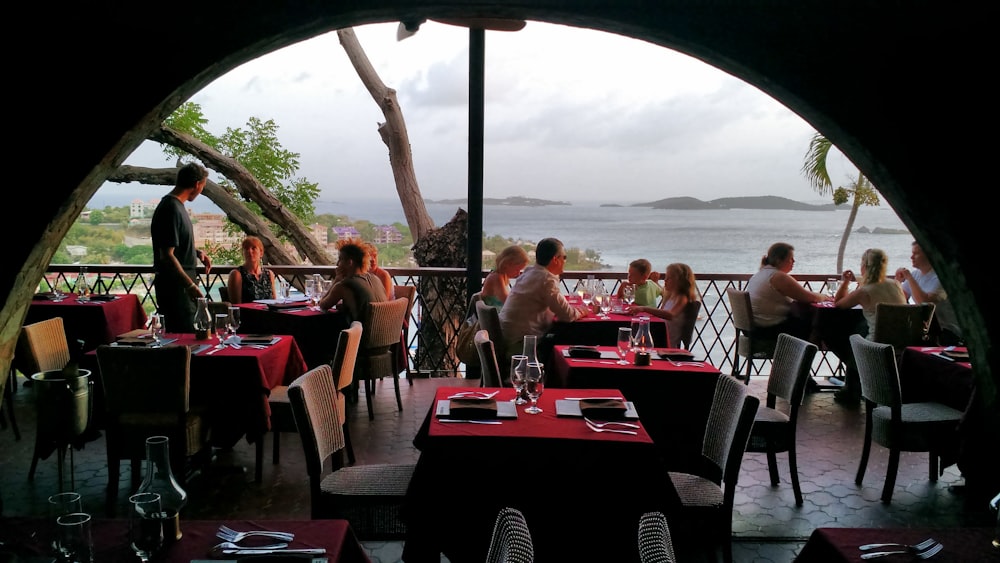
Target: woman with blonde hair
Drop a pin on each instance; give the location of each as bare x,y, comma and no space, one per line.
251,280
679,289
509,264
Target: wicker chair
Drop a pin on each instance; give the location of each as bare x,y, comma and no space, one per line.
907,427
774,428
488,360
686,337
655,543
511,541
402,359
369,496
903,325
383,323
489,320
747,344
707,499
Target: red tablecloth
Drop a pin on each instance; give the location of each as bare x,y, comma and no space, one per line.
93,322
316,332
233,384
673,400
582,496
593,330
840,545
28,537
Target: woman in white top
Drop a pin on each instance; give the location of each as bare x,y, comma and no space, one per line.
772,291
679,289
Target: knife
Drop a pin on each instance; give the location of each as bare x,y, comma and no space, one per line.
470,421
251,551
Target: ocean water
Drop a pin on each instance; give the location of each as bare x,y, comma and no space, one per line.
716,241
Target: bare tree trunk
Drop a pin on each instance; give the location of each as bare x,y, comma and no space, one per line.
394,135
234,209
855,205
250,189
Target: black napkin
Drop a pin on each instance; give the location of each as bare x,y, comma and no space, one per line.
584,352
289,305
256,338
678,354
473,409
47,296
134,341
603,409
103,297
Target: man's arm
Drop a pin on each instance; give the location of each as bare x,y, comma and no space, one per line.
167,255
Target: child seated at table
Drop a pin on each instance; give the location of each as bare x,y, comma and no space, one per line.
642,281
679,289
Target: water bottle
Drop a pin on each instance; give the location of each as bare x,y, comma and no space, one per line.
82,291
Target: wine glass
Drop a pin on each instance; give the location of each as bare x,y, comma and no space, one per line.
221,320
832,284
234,322
74,533
311,291
588,293
534,381
628,294
518,365
145,525
604,303
624,344
156,329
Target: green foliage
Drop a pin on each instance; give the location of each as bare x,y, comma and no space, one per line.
188,119
96,217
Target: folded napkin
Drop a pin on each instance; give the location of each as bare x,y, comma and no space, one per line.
289,305
603,409
584,352
103,297
472,409
46,296
956,354
674,354
256,338
134,341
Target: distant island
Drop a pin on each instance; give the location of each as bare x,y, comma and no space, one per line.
750,202
515,201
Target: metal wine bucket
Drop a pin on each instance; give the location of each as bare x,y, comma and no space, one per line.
63,403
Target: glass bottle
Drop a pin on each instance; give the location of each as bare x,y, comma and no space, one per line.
202,319
82,291
159,478
642,337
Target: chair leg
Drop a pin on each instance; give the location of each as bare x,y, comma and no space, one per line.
35,457
867,450
111,499
890,476
932,466
793,467
347,443
275,447
369,390
8,407
258,470
772,468
399,400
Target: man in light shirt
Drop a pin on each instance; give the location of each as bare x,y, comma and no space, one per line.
536,299
921,285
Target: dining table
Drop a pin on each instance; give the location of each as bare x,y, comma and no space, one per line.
841,545
315,331
595,329
28,539
96,321
582,492
673,395
232,384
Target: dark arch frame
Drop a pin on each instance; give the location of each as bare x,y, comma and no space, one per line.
886,81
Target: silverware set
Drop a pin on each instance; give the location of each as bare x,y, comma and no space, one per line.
230,545
923,550
615,430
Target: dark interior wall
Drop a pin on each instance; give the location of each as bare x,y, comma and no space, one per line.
895,85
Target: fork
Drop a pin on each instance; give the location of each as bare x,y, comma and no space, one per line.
613,423
926,554
916,547
598,429
228,534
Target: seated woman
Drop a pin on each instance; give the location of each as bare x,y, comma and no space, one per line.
772,291
355,287
642,279
376,270
251,281
509,264
679,289
873,288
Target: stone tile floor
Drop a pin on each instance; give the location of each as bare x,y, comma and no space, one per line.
767,525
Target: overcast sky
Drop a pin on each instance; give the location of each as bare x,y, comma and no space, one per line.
571,114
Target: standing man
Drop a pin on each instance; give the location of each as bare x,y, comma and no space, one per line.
921,285
536,300
174,255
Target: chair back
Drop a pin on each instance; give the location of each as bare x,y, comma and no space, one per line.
655,543
684,339
737,447
511,541
723,420
739,303
346,355
488,360
902,325
876,363
410,293
314,405
42,346
382,323
489,320
790,370
223,293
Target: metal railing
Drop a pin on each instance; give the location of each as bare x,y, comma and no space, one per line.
441,304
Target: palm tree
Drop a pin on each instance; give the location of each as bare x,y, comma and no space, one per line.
860,192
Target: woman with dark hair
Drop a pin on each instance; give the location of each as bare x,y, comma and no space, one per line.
772,290
251,281
355,287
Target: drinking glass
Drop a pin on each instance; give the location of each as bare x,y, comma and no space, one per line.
588,293
60,505
534,381
604,303
624,344
74,537
156,329
234,322
311,291
518,365
831,286
145,524
628,294
220,328
284,290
